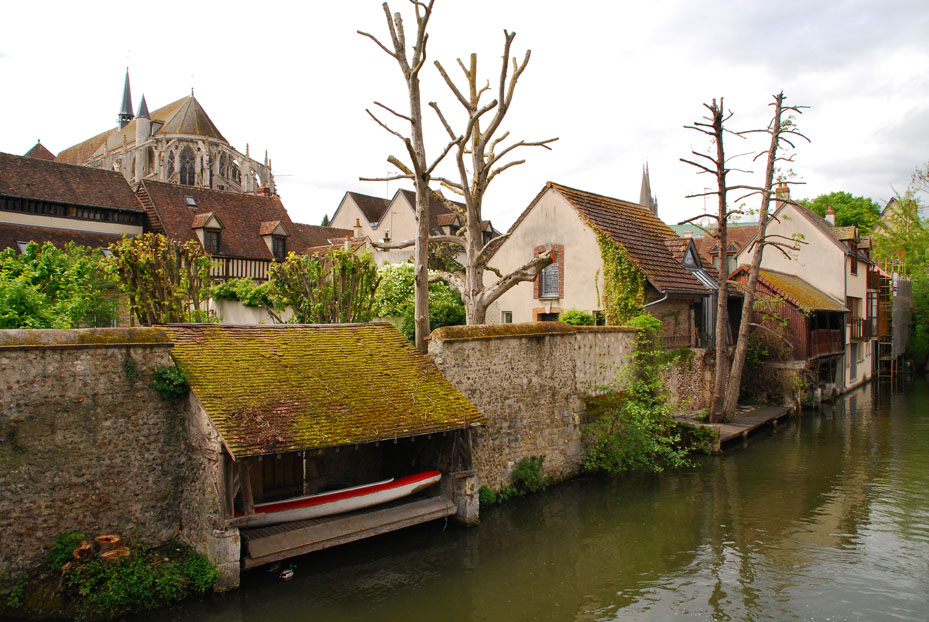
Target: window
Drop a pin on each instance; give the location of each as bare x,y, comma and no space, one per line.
507,317
548,281
279,247
548,317
211,241
186,167
191,202
170,164
853,264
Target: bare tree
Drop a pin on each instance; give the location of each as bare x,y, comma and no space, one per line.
780,130
487,160
419,169
727,378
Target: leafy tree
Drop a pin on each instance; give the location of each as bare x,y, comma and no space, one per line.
850,210
166,281
394,298
50,287
335,287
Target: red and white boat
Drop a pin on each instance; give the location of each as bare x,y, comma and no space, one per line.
336,501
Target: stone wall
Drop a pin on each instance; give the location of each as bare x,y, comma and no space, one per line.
530,381
85,442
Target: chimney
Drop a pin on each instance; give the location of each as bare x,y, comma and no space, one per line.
386,239
263,191
357,227
348,242
688,234
830,216
782,191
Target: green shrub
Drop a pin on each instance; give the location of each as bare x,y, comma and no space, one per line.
528,475
60,553
486,496
246,291
576,318
170,382
145,580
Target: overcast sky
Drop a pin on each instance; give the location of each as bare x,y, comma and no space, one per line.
616,81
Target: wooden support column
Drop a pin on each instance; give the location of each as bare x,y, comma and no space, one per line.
229,497
248,501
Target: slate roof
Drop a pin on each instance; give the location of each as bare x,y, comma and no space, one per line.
64,183
271,389
240,214
39,151
639,231
314,235
11,234
184,116
373,208
797,291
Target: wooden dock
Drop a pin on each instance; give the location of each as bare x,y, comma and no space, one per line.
264,545
746,421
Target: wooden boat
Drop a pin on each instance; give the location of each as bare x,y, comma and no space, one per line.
336,501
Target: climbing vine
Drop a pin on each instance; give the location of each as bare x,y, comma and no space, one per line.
623,282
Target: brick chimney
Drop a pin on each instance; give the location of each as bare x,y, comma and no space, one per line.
830,216
782,191
357,227
263,191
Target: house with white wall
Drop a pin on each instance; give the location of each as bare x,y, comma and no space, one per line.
834,261
567,222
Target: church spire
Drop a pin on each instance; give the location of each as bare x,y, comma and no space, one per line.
125,111
143,109
645,194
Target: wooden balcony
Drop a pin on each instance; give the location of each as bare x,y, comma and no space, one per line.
826,341
862,329
224,268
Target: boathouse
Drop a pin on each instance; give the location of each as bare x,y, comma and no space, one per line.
287,411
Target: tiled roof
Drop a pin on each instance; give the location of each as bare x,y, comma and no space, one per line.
11,234
640,232
64,183
737,235
373,208
267,227
240,214
797,291
39,151
313,235
271,389
184,116
437,209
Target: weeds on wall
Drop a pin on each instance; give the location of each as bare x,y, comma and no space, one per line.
130,369
632,428
170,382
528,477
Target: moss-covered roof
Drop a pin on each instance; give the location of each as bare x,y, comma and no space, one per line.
271,389
794,289
82,337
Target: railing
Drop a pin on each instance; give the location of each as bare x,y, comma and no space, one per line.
826,341
675,341
237,267
862,328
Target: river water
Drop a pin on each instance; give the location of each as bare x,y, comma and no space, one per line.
826,518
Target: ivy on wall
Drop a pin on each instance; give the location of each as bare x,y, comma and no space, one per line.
623,282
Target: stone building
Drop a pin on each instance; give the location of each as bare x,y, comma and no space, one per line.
177,143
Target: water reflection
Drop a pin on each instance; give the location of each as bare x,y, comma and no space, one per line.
825,518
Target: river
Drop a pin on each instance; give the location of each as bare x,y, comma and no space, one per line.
824,518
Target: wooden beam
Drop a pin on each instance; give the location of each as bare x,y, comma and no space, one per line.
248,501
229,476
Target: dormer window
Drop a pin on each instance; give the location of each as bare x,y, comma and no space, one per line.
211,241
279,248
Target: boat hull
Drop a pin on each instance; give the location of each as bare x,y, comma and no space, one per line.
336,501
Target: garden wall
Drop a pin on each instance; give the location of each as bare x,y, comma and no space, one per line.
85,442
530,379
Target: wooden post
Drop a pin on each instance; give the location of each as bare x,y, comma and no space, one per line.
248,502
229,500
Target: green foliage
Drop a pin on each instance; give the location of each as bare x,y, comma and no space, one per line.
633,429
335,287
756,354
170,382
623,282
486,496
246,291
394,298
918,346
146,580
60,553
325,222
862,212
130,368
48,287
576,318
529,476
164,280
902,237
444,257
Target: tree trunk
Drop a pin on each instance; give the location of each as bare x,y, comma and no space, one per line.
741,348
721,373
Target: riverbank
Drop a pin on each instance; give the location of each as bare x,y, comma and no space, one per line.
747,420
